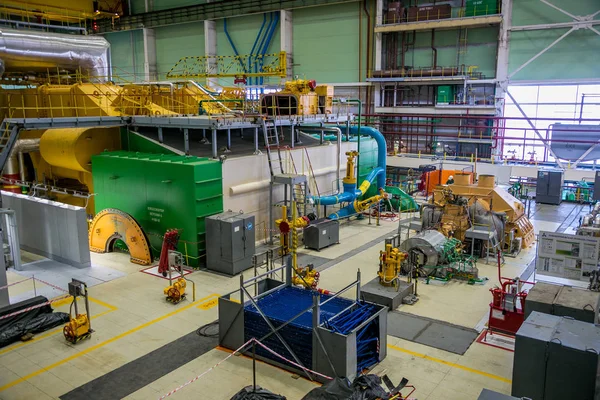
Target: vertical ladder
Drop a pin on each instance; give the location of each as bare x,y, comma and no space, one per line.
271,138
299,194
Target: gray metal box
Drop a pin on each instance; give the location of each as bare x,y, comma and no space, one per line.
548,189
230,243
487,394
541,298
556,358
321,233
577,303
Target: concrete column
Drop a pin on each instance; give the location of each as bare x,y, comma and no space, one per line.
150,71
378,53
502,58
286,40
210,49
502,61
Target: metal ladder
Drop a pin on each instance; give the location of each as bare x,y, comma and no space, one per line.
271,138
8,137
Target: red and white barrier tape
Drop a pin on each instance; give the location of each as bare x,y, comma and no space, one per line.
290,361
231,355
51,285
207,371
14,283
33,307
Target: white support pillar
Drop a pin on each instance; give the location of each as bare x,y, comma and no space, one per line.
150,70
502,58
378,53
286,40
210,49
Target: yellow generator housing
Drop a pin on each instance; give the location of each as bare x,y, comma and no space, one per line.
491,198
299,97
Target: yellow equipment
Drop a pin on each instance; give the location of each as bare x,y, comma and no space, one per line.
306,276
112,224
298,97
176,292
488,196
390,262
79,326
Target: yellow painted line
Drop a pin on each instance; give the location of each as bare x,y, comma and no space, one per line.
102,344
450,364
59,329
208,304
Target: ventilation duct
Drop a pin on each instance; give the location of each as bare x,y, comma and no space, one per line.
35,51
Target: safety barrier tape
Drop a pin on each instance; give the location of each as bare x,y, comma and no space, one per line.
33,307
253,340
207,371
14,283
51,285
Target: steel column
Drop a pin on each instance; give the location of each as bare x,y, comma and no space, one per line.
186,141
215,153
160,134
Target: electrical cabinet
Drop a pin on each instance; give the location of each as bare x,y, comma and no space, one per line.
548,189
230,238
556,358
321,233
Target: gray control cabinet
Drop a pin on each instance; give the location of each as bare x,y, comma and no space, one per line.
556,358
230,243
321,233
548,189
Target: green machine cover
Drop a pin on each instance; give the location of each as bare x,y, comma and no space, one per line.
162,192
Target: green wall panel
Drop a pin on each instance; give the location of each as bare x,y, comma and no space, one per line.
127,55
161,192
325,42
575,57
481,50
176,41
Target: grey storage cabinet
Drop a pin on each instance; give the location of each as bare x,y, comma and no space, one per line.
548,189
321,233
563,301
230,243
556,358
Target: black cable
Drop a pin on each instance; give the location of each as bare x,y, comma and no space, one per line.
210,330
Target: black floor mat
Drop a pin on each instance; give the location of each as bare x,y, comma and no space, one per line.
138,373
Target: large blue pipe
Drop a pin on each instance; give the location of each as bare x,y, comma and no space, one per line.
350,192
272,29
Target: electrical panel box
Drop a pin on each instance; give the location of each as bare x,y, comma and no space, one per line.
321,234
230,238
556,358
548,189
445,94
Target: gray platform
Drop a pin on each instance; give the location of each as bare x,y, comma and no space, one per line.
430,332
386,295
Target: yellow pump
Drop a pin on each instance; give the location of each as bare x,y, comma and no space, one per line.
176,292
79,326
390,262
306,276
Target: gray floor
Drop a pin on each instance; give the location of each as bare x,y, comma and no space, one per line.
439,334
135,375
59,274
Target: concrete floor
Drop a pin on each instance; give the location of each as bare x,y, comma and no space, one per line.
131,318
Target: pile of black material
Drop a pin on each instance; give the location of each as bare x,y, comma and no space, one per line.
364,387
258,393
33,321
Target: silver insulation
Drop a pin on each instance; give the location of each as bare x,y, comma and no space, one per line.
41,51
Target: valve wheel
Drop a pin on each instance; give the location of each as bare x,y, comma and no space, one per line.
69,334
174,294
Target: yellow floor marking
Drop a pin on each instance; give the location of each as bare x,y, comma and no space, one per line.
102,344
59,329
208,304
451,364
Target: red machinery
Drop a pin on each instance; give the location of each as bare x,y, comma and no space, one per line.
170,241
507,309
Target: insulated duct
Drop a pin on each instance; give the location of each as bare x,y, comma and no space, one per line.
36,51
